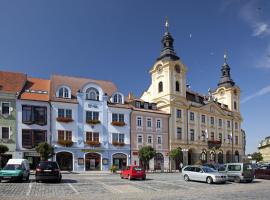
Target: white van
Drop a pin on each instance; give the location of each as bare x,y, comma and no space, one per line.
16,169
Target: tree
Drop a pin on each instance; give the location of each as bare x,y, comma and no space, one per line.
146,154
45,150
175,154
257,156
3,149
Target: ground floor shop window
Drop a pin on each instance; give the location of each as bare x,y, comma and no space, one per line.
92,162
158,162
65,161
120,160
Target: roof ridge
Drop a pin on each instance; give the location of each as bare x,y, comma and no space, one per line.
59,75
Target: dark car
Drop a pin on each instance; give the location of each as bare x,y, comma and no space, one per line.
48,171
263,172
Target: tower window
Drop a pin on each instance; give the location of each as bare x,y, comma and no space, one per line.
160,87
177,87
235,105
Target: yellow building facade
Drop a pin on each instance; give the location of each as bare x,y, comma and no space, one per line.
206,128
264,149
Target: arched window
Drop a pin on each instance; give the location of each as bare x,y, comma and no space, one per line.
92,94
63,92
177,87
160,87
117,98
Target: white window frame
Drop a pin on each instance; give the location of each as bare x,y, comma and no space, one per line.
138,138
137,121
9,132
159,136
64,97
160,122
9,107
151,121
151,139
180,111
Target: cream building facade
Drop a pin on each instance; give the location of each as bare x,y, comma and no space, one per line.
264,149
206,128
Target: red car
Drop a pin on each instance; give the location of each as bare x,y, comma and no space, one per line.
133,172
263,172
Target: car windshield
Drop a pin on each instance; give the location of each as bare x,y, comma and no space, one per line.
208,170
48,165
12,167
137,168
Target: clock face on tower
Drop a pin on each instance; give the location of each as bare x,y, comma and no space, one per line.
177,68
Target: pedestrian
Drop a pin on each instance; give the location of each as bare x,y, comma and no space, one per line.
180,167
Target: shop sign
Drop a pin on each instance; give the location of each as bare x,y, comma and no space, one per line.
31,154
90,150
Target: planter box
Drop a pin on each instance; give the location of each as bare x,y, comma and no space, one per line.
64,119
116,123
93,143
66,143
118,144
92,122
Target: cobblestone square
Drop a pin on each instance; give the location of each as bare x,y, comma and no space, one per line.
110,186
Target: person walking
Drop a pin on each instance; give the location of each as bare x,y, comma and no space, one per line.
180,167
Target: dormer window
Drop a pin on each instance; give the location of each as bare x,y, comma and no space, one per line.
117,98
154,106
64,92
92,94
145,105
138,104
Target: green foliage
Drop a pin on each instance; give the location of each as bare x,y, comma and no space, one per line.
45,150
3,149
146,154
175,153
113,168
257,156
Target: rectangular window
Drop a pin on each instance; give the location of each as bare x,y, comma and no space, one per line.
229,139
121,137
159,140
27,114
220,122
203,119
64,135
212,119
61,113
158,124
31,138
236,140
203,135
139,121
192,135
91,115
220,137
212,136
149,123
69,113
115,137
179,133
149,139
179,114
96,136
5,108
138,104
140,139
228,124
5,132
92,136
118,117
191,116
69,135
40,115
61,135
236,125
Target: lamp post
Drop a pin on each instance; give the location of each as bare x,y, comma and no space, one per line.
185,156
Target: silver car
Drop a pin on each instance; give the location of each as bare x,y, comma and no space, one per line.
201,173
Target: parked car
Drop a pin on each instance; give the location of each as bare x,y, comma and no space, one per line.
238,172
15,170
133,172
48,171
263,172
214,166
202,173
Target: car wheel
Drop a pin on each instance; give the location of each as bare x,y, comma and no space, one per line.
237,180
209,180
27,178
143,178
186,178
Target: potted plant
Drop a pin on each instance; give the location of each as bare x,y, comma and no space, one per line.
64,119
92,121
66,143
93,143
113,169
117,123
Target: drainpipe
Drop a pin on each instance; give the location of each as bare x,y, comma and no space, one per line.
232,141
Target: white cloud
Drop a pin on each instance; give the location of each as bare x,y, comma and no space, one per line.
260,29
261,92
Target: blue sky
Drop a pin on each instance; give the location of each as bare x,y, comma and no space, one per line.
119,40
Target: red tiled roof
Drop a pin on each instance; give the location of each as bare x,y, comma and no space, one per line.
36,89
12,82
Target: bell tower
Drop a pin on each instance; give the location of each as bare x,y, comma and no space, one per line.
168,73
227,92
